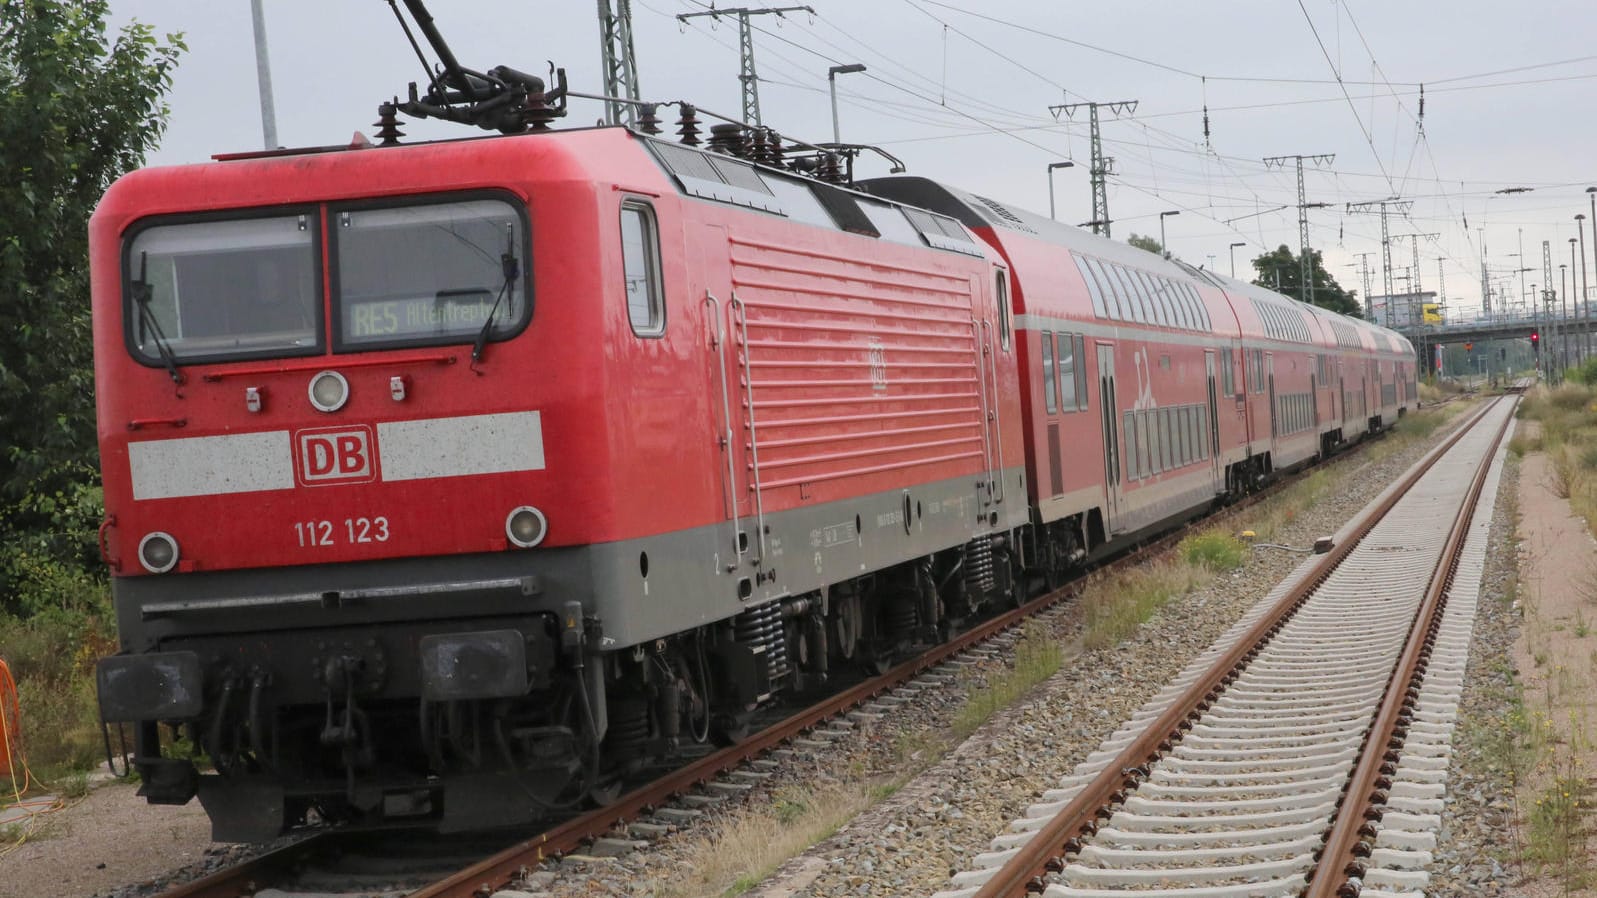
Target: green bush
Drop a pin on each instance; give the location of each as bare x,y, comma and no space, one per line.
1214,551
1585,373
53,662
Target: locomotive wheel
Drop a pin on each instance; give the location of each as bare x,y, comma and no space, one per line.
730,729
848,622
607,791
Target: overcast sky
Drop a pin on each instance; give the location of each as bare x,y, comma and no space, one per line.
960,90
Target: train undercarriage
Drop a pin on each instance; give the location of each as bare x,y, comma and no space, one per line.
493,722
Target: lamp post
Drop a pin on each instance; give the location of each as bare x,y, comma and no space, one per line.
1234,258
1162,216
1574,281
1585,295
1563,311
1051,167
831,83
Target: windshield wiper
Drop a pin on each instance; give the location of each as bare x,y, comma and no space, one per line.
511,268
141,298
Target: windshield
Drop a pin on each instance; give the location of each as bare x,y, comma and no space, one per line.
224,288
429,273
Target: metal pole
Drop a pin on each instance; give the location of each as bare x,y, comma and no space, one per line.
1162,216
1051,167
1585,294
1234,258
831,85
747,75
1563,310
263,77
1593,194
1575,282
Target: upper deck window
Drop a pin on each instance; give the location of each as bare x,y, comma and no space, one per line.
429,272
202,290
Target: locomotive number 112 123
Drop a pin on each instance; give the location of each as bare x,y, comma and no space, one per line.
353,531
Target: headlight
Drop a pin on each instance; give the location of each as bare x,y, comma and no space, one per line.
329,391
526,526
158,552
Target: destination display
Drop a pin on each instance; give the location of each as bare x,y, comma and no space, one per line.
463,312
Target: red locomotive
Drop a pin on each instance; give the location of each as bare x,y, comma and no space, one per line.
459,481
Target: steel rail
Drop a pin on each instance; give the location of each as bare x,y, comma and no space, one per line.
1349,839
483,877
246,878
1044,853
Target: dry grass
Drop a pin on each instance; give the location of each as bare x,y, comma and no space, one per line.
744,851
1567,419
1037,657
1114,608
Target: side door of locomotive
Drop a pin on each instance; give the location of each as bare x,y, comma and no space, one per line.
725,385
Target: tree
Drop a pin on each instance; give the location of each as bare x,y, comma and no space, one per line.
1147,243
76,112
1282,271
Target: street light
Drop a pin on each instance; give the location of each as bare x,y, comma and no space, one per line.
1234,258
1051,167
1584,295
1581,349
1162,217
831,83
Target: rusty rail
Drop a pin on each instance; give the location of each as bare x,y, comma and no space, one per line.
1346,840
485,876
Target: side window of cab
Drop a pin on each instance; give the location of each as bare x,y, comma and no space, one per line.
640,255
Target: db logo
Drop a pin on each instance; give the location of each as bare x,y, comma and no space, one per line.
335,455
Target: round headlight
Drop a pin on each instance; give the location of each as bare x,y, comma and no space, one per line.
526,526
158,552
329,391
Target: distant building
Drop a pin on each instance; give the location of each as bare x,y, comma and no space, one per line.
1403,309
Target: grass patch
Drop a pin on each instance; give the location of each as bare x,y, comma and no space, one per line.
1556,833
1214,551
1114,608
53,662
1037,657
741,854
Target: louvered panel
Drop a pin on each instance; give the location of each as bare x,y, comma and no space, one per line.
856,369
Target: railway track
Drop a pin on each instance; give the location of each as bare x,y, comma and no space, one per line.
1306,752
312,865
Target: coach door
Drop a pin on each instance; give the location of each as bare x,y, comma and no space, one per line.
1214,416
1108,413
1269,372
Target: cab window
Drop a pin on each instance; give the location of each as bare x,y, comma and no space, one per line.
223,289
640,257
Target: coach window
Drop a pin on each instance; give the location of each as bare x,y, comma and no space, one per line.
1092,287
640,259
1067,373
1081,371
1001,291
1106,289
1048,385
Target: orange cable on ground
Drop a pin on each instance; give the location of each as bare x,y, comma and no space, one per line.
11,733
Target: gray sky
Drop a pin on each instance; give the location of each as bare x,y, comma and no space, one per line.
960,90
